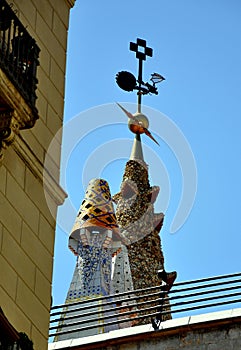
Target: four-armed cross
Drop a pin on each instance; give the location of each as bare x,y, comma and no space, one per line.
141,51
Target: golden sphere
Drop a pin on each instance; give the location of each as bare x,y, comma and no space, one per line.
138,124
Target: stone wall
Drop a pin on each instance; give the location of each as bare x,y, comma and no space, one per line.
223,338
27,228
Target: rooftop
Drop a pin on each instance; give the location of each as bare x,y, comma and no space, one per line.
144,332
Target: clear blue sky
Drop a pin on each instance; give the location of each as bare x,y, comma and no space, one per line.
197,48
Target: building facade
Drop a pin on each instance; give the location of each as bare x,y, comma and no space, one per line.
28,123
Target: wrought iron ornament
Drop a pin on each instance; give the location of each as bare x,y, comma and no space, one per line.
138,122
127,80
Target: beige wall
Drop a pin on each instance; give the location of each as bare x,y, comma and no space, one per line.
27,227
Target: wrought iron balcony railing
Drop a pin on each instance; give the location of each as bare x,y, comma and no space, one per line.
23,343
121,310
10,339
18,54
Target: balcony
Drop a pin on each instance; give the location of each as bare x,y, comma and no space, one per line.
10,339
18,54
18,83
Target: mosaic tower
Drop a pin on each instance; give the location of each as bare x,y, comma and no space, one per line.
119,252
138,222
135,211
96,241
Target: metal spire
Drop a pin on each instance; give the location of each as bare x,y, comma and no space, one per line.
141,56
136,152
138,123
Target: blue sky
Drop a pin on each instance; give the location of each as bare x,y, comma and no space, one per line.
197,48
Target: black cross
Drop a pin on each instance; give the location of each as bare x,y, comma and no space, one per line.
141,56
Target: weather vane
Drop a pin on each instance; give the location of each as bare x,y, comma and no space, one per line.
138,122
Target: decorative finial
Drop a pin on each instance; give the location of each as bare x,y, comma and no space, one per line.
127,80
138,123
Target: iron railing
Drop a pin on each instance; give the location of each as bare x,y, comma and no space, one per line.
18,54
150,304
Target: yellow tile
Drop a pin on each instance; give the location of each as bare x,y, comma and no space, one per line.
33,143
52,162
54,123
8,277
27,301
43,288
15,166
46,233
37,252
10,218
26,9
45,11
44,135
3,177
60,29
44,57
1,236
42,107
14,314
25,207
35,191
29,23
52,206
57,76
50,92
62,9
17,258
39,341
48,39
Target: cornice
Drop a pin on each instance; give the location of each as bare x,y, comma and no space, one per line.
70,3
